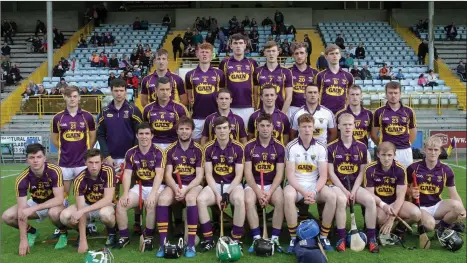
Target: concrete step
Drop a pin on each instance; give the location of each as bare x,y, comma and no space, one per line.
443,48
447,42
452,51
24,54
456,56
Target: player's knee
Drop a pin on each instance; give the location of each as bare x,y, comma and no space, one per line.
250,201
341,200
238,199
65,216
330,198
9,217
429,222
415,215
164,200
202,200
150,208
458,207
289,196
190,200
279,202
54,214
106,216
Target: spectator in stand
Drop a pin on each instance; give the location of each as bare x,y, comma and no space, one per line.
132,82
102,38
309,48
432,78
365,73
246,22
321,62
6,50
197,38
137,68
233,22
74,65
166,21
348,61
187,37
340,41
145,61
59,38
122,76
58,70
400,75
254,38
213,26
391,73
144,24
253,23
422,80
210,38
40,27
113,62
278,17
137,24
422,51
351,50
267,22
28,92
7,31
29,44
6,65
94,59
190,51
95,40
82,43
222,39
360,51
103,60
44,46
281,29
197,24
95,91
54,92
61,84
285,48
122,8
33,86
451,31
84,91
461,70
384,72
65,63
176,46
291,31
15,73
124,64
355,72
109,40
111,77
134,56
41,91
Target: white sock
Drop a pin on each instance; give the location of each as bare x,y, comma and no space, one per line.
322,237
274,237
256,237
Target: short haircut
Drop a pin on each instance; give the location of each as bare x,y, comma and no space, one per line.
306,118
238,36
117,83
206,45
162,80
330,48
92,153
345,115
267,86
392,85
356,87
386,147
270,44
433,141
264,117
220,120
142,126
161,52
297,45
311,85
69,90
184,120
224,90
34,148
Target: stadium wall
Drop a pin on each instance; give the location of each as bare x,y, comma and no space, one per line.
129,17
63,20
349,15
408,17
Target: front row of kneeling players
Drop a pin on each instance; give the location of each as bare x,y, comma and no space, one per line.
379,186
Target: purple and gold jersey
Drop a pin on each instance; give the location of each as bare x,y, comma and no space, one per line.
363,123
333,88
93,188
265,159
280,122
237,127
148,86
395,125
164,119
73,133
385,183
185,162
144,165
280,78
224,160
41,188
239,80
301,79
205,86
347,161
431,182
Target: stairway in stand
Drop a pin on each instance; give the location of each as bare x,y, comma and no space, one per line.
316,43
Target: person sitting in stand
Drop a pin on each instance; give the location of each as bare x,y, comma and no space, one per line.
94,60
103,60
113,62
132,82
82,43
137,24
95,40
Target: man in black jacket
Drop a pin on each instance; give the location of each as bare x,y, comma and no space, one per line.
422,51
278,17
176,42
451,31
40,27
309,48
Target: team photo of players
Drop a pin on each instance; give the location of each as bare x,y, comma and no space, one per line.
257,138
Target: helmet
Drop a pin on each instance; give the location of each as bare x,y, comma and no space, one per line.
99,256
362,235
451,240
307,229
228,250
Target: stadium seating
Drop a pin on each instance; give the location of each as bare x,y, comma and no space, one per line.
440,33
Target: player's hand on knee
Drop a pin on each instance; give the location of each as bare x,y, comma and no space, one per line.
23,247
151,201
124,200
347,195
389,210
24,214
353,197
387,227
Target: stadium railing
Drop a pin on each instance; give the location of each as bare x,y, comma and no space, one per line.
12,105
52,104
193,62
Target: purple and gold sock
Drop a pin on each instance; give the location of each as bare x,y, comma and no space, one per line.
255,233
124,233
293,230
192,221
237,232
162,219
206,228
371,233
275,233
341,233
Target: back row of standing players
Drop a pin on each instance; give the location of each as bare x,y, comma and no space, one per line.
288,96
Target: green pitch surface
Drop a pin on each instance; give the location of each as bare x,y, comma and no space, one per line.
46,253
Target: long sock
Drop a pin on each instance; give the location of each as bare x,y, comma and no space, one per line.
111,230
293,230
324,230
192,221
162,214
237,232
31,230
341,233
275,233
206,228
63,229
124,233
255,233
371,233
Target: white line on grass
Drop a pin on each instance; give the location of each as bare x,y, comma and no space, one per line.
10,175
458,166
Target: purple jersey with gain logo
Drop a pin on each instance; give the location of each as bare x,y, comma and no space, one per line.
280,78
144,165
385,182
239,80
363,123
41,188
333,88
185,162
224,160
265,159
347,161
148,86
73,136
431,183
301,79
237,127
205,86
280,123
93,188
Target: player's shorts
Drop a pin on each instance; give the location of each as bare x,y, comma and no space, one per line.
291,111
93,215
163,146
404,156
226,186
42,214
266,187
431,209
199,125
71,173
146,190
245,113
307,186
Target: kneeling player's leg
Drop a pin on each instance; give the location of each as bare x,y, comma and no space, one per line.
448,211
205,199
10,216
65,216
341,214
428,221
410,213
252,215
328,197
192,214
107,217
150,217
54,215
366,199
237,198
122,214
277,200
290,212
166,198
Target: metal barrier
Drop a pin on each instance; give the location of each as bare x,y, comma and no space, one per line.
52,104
193,62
